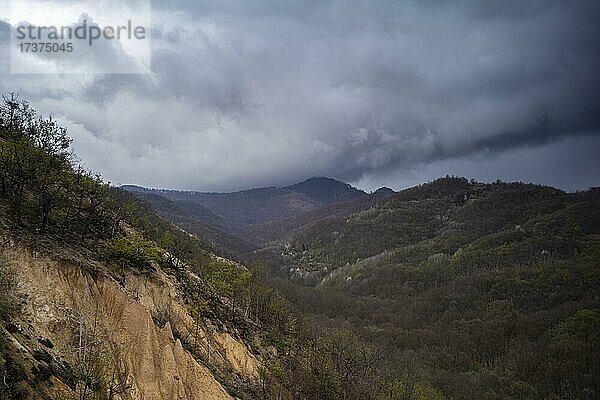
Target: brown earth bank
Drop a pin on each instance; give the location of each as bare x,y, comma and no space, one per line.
76,318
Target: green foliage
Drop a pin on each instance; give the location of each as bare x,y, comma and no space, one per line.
278,373
178,250
200,309
274,311
335,364
399,390
426,392
225,277
584,326
38,181
133,251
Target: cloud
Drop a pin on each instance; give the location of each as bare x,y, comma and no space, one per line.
545,165
244,94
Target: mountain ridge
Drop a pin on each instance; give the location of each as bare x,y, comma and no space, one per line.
296,187
238,214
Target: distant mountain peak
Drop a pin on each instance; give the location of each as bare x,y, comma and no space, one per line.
320,179
384,191
326,190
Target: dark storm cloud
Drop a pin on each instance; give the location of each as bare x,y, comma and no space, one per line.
247,93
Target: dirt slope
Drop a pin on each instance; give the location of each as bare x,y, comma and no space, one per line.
60,298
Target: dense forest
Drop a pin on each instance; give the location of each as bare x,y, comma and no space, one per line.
480,290
454,289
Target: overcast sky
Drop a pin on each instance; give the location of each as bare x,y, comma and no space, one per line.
270,92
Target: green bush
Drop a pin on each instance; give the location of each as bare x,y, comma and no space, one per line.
133,252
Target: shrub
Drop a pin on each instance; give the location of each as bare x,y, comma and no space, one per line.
133,252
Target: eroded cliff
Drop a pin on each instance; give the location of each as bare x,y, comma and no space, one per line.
77,320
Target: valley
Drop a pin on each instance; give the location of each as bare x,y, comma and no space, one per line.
472,272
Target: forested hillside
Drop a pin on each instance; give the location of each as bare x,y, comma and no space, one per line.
239,213
103,299
452,289
487,291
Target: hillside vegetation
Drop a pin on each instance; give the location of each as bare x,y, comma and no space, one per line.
451,289
87,270
238,214
487,291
